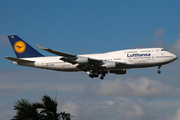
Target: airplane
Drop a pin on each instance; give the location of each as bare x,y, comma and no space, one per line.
94,64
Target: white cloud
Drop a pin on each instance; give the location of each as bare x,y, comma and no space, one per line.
6,110
89,99
175,48
128,109
143,87
70,107
4,40
157,41
124,108
177,117
110,102
159,33
164,104
32,80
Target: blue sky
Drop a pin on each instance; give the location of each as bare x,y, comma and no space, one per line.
79,27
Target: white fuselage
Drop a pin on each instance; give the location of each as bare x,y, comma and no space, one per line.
132,58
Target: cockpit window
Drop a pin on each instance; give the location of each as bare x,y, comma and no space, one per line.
163,50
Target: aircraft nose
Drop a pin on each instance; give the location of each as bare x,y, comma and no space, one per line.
174,57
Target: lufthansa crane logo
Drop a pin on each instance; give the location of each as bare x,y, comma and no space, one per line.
19,46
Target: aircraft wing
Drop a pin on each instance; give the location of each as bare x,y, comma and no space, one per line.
55,52
84,63
17,59
66,57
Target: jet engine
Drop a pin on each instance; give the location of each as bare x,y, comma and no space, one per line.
83,60
117,72
110,65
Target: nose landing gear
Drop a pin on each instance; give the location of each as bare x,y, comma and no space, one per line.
159,71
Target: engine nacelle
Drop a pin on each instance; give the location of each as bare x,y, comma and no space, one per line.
118,71
83,60
110,65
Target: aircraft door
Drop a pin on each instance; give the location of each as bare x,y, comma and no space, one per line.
153,57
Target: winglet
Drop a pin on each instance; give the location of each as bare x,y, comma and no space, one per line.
41,47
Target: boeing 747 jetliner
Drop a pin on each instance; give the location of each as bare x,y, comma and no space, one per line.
94,64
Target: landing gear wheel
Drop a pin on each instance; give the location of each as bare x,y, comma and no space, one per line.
91,75
158,71
102,77
103,74
96,75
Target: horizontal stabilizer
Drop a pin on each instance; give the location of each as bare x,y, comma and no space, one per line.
17,59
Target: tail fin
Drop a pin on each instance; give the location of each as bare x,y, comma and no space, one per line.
22,49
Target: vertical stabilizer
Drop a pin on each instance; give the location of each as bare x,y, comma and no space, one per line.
22,49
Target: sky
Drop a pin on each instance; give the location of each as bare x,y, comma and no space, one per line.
93,26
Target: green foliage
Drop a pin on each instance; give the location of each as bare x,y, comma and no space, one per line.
46,110
25,111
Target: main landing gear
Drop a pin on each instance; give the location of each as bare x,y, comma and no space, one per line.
93,74
102,76
159,71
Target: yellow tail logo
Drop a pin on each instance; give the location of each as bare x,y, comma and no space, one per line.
19,46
